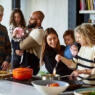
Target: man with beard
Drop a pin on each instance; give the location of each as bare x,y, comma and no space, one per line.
33,42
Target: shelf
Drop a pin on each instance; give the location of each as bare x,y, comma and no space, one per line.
87,11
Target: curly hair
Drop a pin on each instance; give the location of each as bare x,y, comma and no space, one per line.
88,33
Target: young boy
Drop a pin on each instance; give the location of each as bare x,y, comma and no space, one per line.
71,49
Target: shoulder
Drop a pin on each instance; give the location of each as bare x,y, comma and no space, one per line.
3,28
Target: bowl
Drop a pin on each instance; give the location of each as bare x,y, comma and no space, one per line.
85,91
41,86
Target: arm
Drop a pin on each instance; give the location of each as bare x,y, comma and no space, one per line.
28,43
69,63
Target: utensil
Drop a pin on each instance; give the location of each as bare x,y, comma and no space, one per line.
54,70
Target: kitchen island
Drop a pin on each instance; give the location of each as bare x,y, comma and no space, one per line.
14,88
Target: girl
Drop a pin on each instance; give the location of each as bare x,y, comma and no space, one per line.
16,20
50,48
85,61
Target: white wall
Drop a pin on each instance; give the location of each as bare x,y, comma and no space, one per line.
7,11
56,13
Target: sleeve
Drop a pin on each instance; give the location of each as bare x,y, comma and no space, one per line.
28,43
49,59
7,47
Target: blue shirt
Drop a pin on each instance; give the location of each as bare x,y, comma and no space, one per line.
67,53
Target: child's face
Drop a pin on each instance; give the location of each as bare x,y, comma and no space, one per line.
80,39
52,40
17,18
74,50
68,40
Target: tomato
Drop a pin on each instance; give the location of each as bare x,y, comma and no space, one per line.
53,85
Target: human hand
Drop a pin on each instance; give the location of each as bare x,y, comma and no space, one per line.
74,74
19,52
74,50
5,65
58,58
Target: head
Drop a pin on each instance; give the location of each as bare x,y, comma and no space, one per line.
85,35
1,12
17,18
36,18
74,50
50,40
68,37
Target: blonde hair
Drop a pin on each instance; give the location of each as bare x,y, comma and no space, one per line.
88,33
1,9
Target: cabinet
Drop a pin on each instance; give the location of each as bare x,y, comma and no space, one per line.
88,7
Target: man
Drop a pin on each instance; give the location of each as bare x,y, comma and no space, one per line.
33,43
5,46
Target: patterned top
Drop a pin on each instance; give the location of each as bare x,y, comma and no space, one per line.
5,46
86,60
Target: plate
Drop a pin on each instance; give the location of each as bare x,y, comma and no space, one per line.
5,74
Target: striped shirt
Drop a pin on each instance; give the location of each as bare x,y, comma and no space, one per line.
86,60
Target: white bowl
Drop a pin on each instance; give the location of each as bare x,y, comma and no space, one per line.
41,86
83,90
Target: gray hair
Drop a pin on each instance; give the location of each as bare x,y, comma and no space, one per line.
1,9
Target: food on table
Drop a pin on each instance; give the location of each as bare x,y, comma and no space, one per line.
3,72
53,85
88,93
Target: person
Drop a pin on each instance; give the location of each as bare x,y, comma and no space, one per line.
50,48
84,62
17,22
33,42
5,46
71,49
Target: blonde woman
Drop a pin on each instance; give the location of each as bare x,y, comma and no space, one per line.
84,62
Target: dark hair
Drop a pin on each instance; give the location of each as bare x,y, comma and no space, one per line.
12,21
69,32
45,45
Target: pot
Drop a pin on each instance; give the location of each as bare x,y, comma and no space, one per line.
22,73
50,77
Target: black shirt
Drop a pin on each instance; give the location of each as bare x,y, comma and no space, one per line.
50,62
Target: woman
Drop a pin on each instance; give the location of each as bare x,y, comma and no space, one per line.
50,48
16,20
84,62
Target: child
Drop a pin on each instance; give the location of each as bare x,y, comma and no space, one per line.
71,49
16,20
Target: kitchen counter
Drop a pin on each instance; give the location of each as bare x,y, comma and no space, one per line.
13,88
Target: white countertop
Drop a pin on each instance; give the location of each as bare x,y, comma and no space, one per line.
13,88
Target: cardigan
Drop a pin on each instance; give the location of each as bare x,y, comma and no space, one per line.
5,45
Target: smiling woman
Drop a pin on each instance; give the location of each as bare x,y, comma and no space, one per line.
50,48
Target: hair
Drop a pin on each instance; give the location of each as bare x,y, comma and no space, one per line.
12,20
69,32
45,44
88,33
40,15
1,9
